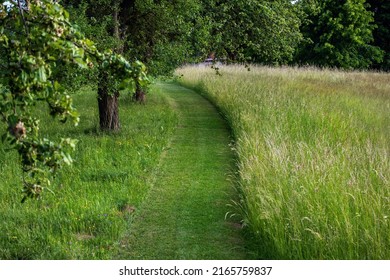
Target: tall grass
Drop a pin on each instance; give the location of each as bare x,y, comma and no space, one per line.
314,158
94,199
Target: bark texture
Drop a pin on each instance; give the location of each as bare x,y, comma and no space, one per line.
108,106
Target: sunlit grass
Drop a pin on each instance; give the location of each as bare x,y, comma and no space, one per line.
93,200
314,161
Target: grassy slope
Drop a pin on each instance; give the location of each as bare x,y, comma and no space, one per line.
314,151
93,199
183,217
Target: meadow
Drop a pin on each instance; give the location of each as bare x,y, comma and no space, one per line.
313,172
93,201
313,150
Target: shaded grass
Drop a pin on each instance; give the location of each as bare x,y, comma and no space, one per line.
96,197
314,158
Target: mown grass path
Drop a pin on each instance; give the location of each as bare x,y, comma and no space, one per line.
183,216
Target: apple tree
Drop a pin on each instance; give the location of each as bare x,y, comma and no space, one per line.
36,36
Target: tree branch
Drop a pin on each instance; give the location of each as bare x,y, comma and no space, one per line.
22,15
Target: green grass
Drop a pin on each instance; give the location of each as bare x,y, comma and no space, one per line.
184,215
314,161
91,208
158,189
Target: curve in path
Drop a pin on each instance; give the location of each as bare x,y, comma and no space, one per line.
183,217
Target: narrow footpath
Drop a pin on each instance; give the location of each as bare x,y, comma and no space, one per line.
183,217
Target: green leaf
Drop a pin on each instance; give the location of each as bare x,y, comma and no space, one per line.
42,74
80,62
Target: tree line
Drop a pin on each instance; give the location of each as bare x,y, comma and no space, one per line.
348,34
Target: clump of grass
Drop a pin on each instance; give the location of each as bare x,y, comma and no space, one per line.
314,157
95,198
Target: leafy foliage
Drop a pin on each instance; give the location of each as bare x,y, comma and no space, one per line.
381,11
35,38
163,34
338,34
259,31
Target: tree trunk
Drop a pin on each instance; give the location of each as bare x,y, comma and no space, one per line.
108,99
108,106
139,94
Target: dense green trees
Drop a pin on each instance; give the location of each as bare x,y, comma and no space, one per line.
258,31
338,34
381,10
165,34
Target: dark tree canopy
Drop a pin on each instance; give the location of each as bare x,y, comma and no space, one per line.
338,34
165,34
258,31
381,10
162,34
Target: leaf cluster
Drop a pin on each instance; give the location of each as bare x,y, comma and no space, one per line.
339,34
258,31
